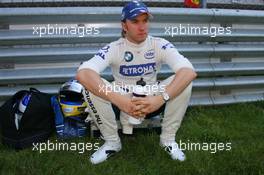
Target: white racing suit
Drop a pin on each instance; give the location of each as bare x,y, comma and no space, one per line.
130,62
104,117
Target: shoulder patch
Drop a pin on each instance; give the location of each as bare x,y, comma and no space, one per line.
167,45
103,51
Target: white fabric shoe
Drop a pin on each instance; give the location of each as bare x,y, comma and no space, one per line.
108,149
173,150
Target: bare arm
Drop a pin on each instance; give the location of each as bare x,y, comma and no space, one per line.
181,80
92,81
150,104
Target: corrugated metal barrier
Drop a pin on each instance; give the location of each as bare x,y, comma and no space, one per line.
42,47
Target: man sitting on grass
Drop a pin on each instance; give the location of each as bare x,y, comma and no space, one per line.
134,56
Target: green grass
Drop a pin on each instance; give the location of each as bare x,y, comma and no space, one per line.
241,124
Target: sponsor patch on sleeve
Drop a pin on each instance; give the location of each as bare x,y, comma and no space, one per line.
103,51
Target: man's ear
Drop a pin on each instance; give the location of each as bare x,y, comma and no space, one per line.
124,26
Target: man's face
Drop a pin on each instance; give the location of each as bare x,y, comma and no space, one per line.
137,29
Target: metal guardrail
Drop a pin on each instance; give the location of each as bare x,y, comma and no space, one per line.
230,67
212,99
60,75
41,15
227,4
9,38
78,54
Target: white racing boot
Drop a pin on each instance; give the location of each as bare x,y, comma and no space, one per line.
108,149
173,150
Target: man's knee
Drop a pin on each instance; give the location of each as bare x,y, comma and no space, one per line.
185,94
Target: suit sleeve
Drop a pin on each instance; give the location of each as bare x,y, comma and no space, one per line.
100,60
170,55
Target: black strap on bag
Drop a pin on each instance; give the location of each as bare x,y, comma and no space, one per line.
36,124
